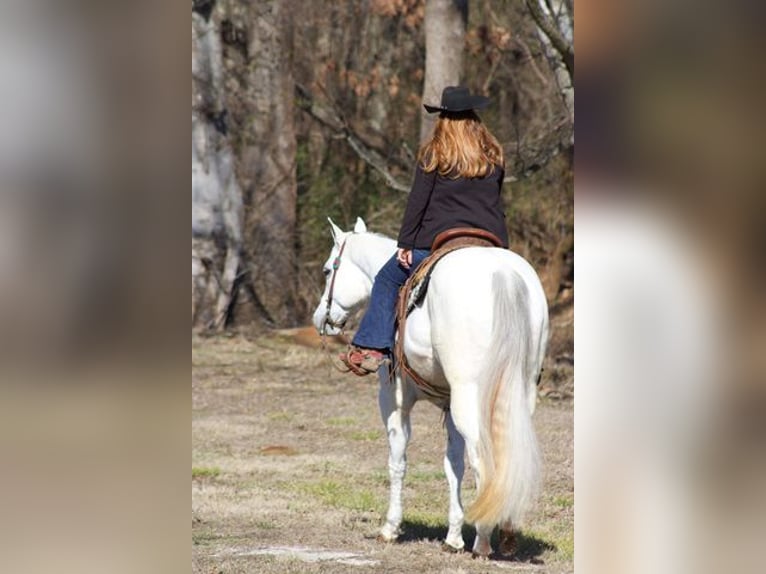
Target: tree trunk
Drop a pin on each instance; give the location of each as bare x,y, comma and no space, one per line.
243,164
445,24
217,212
268,162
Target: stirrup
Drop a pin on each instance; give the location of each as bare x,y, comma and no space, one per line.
362,362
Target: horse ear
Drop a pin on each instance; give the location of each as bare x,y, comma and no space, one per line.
359,226
337,232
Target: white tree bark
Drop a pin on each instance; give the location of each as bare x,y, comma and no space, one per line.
217,212
243,163
556,30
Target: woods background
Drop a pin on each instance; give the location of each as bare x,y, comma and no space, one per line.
307,109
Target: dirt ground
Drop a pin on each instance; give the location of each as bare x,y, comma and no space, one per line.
289,471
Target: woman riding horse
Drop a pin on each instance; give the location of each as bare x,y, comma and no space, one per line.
458,183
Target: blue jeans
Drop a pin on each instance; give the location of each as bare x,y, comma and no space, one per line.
376,331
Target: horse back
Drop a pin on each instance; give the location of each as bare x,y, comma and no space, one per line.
456,315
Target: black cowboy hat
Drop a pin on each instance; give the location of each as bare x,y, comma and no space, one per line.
458,99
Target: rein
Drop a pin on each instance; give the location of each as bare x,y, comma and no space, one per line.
335,267
327,320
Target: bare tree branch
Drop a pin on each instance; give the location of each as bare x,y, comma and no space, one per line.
570,7
536,163
341,129
533,159
530,157
551,11
531,60
549,28
377,162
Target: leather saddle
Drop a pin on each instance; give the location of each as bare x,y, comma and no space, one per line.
413,291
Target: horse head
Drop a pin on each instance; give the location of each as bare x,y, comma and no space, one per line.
347,286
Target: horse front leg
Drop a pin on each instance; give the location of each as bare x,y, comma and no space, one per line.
395,406
454,468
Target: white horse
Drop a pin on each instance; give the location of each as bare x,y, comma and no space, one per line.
481,332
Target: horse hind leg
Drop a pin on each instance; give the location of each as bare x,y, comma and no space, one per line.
482,546
507,543
465,415
454,468
395,405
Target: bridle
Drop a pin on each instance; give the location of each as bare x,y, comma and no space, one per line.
327,319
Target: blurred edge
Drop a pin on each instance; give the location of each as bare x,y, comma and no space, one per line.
670,330
94,401
90,184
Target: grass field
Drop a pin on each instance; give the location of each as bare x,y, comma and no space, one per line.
289,471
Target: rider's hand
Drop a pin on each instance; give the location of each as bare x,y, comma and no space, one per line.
404,257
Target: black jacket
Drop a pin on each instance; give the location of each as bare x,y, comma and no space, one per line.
438,203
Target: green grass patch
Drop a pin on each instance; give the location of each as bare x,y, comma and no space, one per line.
265,525
380,477
424,518
419,476
564,501
341,421
280,416
205,472
209,537
340,495
365,435
554,539
203,538
565,546
326,467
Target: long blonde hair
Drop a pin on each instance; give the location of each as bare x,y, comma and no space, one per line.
461,145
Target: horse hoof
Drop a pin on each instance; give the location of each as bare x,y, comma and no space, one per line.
385,539
446,547
476,556
507,543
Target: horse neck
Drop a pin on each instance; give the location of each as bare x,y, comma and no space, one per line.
370,252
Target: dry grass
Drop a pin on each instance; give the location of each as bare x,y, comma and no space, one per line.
287,452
